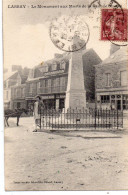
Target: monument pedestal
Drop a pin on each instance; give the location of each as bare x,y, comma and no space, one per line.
75,94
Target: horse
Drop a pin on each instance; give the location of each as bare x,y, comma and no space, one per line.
13,113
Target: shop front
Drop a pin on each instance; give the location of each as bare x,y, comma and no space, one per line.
55,101
18,104
113,101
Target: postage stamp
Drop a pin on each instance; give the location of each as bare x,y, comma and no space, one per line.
114,24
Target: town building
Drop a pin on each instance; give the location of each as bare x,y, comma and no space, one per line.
49,79
18,89
9,81
111,80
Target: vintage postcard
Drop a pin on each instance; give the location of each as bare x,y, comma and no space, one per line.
65,95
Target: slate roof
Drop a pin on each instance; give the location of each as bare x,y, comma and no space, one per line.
9,75
66,56
119,56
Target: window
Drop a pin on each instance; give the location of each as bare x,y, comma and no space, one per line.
14,92
31,73
57,81
46,68
38,85
21,91
18,80
108,79
53,82
123,78
105,99
62,64
125,102
54,66
62,81
49,82
46,83
42,82
31,86
17,93
7,95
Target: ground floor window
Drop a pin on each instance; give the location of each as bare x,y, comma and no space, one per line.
49,104
105,98
117,101
18,105
61,103
125,102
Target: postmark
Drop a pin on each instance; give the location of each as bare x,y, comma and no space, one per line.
114,25
104,4
68,33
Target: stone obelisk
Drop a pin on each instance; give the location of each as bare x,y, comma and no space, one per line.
75,94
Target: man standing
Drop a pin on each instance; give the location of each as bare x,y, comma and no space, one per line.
37,112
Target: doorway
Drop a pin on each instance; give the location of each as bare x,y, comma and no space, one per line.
18,105
118,104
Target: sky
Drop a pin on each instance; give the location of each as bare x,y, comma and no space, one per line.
26,31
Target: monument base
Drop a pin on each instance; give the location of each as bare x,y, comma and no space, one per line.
75,99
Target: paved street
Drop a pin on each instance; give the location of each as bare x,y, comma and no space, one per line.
64,160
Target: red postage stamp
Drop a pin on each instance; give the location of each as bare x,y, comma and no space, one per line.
114,24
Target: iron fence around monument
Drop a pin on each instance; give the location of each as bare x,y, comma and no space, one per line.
80,119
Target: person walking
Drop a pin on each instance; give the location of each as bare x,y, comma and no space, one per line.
37,111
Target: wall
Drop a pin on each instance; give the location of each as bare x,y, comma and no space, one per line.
31,92
114,70
89,60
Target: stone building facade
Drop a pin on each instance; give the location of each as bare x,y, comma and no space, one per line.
111,81
18,90
49,80
8,83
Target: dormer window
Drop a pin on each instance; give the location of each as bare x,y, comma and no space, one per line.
46,68
54,66
62,64
31,73
18,80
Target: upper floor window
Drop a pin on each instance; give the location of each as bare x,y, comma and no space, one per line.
62,81
108,79
22,91
46,83
7,95
54,66
53,84
31,86
14,91
49,82
31,73
123,78
5,85
62,64
17,92
44,69
38,85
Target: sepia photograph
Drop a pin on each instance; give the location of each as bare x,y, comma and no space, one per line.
65,90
